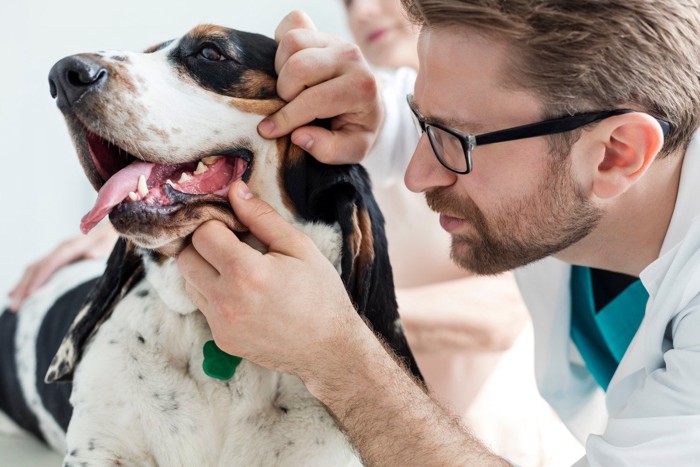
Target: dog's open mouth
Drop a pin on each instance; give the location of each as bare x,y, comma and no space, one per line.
157,187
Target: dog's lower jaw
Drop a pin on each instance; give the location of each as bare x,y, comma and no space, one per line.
170,236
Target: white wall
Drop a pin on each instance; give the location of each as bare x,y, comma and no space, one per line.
43,193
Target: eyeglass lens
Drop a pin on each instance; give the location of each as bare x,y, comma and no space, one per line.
448,149
446,146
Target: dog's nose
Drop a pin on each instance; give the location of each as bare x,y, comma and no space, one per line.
72,77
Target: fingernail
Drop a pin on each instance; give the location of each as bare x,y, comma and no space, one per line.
266,127
243,191
304,141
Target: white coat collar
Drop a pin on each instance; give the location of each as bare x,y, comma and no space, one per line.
686,209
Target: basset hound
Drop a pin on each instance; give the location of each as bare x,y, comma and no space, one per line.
108,369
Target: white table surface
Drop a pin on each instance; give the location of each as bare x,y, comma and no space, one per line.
23,451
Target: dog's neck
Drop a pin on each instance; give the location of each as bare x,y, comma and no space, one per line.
165,278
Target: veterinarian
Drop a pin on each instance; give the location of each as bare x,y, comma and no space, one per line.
599,208
465,342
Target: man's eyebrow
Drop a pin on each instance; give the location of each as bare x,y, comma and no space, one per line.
463,126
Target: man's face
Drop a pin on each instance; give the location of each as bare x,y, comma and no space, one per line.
520,203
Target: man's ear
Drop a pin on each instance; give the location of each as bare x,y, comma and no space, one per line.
630,144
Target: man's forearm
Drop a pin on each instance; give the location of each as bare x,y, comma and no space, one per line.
389,418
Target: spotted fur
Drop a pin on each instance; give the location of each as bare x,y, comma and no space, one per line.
133,350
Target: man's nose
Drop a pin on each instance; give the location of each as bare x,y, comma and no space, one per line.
72,77
424,171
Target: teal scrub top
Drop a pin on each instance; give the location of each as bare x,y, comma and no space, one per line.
602,336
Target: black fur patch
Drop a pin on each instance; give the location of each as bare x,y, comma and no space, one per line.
243,52
124,270
12,402
333,193
54,327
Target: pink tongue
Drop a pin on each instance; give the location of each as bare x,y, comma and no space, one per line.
114,191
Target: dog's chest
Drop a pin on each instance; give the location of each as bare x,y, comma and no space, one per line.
142,378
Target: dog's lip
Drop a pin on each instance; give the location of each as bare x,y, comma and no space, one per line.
143,182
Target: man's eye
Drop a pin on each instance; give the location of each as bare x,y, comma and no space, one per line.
211,53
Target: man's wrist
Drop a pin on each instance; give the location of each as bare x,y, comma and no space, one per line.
342,361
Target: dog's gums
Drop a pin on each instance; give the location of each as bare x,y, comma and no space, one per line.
130,180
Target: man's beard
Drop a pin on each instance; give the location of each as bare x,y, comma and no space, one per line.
553,218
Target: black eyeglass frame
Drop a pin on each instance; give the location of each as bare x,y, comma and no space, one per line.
531,130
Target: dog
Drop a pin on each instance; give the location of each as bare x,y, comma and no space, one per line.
161,135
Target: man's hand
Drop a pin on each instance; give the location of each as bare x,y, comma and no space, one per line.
286,309
323,77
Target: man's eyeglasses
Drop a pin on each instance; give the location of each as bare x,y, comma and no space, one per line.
454,149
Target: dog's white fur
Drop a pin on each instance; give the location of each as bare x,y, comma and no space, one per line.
171,413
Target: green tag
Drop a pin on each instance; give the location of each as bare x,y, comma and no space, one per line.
217,363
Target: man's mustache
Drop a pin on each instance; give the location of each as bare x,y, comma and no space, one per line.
442,201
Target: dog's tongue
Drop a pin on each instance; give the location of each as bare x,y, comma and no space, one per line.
114,191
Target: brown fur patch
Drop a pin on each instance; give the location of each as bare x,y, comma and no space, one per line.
289,155
257,106
361,245
255,83
204,31
164,136
366,254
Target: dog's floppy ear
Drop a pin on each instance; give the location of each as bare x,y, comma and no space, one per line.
124,270
342,194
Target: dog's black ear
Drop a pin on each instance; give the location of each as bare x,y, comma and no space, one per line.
342,194
124,270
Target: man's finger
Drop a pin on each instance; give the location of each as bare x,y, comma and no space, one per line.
326,100
295,32
307,68
345,146
263,221
296,19
196,271
198,298
217,244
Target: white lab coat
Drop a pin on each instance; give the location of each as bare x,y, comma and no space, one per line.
650,414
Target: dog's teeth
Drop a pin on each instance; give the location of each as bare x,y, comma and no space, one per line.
201,168
170,182
133,196
184,177
209,160
142,188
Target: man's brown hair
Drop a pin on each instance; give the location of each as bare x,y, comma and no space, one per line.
582,55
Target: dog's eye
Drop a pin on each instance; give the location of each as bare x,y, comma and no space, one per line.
211,53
